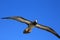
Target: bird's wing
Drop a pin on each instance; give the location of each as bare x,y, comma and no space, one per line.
47,29
18,18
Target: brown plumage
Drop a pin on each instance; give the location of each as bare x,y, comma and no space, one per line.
32,24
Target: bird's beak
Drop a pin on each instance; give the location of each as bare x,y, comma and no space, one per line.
36,20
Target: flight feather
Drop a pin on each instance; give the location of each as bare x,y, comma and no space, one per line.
47,29
18,18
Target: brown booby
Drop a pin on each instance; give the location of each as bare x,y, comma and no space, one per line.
32,24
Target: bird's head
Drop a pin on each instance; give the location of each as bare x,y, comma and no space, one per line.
35,22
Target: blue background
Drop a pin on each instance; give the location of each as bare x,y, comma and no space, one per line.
47,12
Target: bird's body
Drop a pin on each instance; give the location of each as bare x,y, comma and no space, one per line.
32,24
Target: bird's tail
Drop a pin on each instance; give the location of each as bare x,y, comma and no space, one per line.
26,31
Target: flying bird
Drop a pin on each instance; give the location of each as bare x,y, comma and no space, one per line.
32,24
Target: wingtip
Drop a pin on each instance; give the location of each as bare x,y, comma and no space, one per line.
58,36
2,18
5,18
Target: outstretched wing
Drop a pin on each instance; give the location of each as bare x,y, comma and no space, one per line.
18,18
47,29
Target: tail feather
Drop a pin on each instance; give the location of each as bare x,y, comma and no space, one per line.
26,31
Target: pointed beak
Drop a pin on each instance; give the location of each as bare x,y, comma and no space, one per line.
36,20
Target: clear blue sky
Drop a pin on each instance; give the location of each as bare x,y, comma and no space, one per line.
47,12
